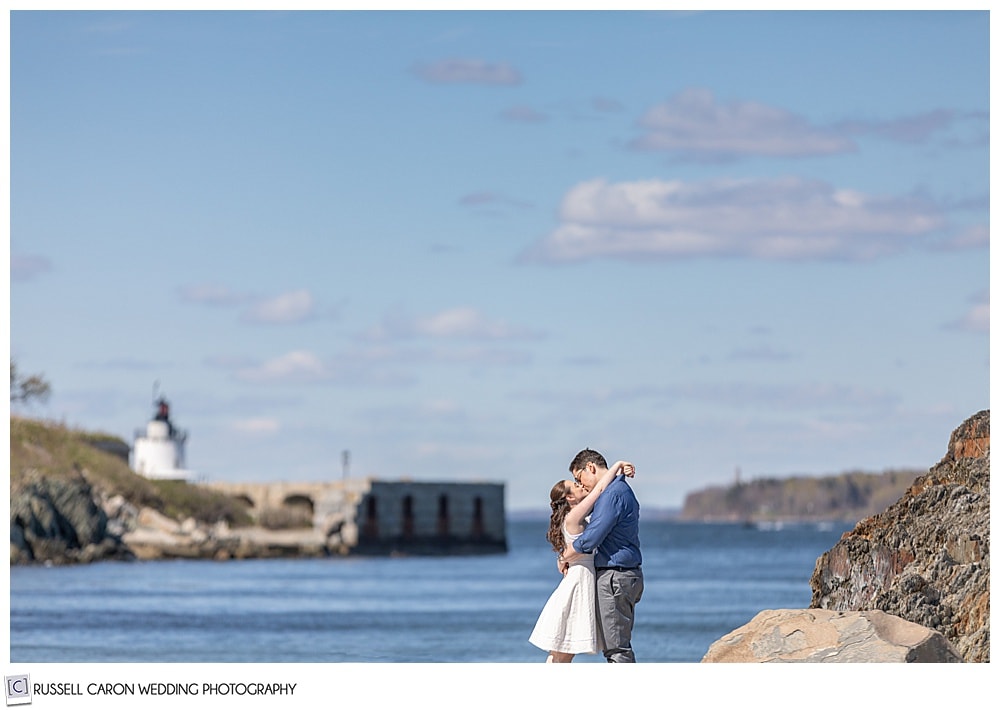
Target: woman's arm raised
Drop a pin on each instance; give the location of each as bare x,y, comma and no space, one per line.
574,519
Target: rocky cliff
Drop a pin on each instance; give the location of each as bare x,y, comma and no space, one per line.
910,584
926,558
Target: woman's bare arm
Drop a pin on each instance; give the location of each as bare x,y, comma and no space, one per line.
574,519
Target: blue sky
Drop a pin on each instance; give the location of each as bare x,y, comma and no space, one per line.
465,245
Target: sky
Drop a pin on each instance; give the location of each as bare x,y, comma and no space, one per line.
465,245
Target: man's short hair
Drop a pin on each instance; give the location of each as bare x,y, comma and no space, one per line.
587,456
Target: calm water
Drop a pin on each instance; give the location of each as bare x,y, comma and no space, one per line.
702,581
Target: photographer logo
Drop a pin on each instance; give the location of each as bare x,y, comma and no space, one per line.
18,689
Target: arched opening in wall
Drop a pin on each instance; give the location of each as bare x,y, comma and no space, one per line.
297,500
369,526
298,509
478,526
246,503
245,500
443,522
408,525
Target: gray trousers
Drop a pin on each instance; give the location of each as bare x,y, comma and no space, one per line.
617,594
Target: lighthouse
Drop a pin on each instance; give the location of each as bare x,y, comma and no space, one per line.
159,452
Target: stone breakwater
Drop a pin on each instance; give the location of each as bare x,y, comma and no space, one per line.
909,584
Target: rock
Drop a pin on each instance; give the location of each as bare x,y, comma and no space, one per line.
150,518
926,557
20,550
189,526
150,543
59,521
822,636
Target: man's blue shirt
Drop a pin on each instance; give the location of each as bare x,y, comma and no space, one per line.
613,531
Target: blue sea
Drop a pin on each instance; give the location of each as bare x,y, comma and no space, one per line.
701,582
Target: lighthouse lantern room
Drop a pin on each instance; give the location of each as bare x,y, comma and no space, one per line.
159,452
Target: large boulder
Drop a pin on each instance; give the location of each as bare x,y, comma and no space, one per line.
926,558
821,636
58,520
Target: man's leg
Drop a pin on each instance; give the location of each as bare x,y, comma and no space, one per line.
617,595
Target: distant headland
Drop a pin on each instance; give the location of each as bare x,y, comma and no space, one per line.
848,496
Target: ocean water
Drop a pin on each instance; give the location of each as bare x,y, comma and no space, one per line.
701,582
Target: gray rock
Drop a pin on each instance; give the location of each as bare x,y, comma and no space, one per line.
822,636
59,521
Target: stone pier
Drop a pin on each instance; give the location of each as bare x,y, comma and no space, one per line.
371,516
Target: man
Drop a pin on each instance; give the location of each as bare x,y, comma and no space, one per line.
613,535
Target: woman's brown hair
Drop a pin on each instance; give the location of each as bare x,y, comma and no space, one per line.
560,507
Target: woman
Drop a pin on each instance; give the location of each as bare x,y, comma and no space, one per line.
568,624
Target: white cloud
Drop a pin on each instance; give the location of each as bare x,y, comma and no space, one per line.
299,366
977,318
974,237
468,71
292,307
913,129
461,322
773,219
694,124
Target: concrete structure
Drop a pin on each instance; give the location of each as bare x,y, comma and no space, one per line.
370,516
159,451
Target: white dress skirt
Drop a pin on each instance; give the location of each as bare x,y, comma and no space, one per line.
568,621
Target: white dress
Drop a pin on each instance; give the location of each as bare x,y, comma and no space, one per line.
568,621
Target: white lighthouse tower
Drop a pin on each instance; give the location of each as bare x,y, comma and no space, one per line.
160,452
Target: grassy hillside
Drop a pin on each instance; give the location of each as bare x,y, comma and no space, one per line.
49,450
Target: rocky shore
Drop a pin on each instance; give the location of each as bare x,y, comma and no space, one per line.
909,584
59,521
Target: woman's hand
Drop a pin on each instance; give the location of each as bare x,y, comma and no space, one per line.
625,468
